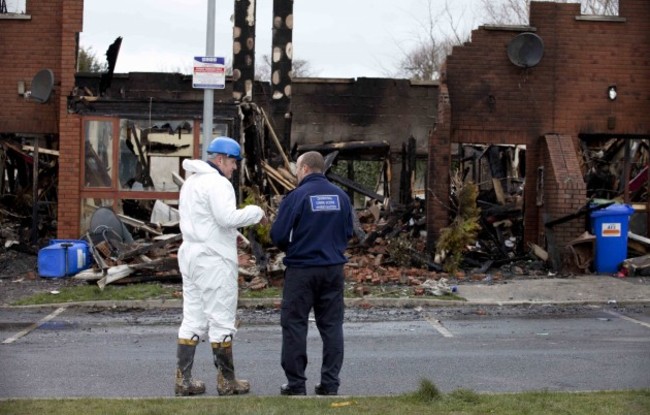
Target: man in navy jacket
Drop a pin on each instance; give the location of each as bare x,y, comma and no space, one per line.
313,227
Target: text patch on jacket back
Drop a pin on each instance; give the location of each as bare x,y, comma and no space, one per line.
325,203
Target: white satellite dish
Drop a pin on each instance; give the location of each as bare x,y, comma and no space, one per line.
42,85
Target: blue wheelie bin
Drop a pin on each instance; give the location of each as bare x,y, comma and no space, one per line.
610,225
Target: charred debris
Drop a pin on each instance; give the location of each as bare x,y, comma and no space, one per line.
485,204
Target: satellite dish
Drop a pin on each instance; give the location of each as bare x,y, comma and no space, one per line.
526,50
42,85
106,225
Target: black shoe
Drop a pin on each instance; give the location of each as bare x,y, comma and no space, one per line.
286,390
320,390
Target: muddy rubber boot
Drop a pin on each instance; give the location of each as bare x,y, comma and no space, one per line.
185,385
227,384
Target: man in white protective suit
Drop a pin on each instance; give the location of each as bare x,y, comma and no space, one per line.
207,259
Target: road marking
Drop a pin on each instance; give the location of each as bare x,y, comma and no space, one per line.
614,313
34,326
438,326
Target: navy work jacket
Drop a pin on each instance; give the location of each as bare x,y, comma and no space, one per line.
314,224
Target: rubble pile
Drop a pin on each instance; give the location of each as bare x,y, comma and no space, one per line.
389,247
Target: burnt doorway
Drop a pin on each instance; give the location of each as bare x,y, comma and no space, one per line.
617,168
499,171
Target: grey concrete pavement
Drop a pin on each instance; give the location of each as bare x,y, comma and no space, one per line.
582,289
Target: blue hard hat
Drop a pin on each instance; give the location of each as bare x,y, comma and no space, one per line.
225,145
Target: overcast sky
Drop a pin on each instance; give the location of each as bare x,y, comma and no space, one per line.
338,38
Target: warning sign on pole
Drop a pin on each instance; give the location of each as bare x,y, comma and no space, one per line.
209,72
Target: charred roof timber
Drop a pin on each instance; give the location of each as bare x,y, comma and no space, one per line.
281,67
243,50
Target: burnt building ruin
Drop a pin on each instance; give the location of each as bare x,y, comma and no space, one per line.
552,95
543,118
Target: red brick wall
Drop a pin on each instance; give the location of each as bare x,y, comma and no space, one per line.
494,101
592,55
45,40
29,45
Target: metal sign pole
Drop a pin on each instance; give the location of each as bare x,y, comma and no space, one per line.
208,94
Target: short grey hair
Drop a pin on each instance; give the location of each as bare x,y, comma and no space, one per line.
314,160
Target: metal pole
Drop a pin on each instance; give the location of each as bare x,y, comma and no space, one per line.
208,94
647,199
35,193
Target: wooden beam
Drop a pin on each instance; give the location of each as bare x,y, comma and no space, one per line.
277,176
287,165
144,249
113,274
35,195
639,238
42,150
647,211
498,190
355,186
138,224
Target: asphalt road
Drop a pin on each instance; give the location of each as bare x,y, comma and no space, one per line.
132,354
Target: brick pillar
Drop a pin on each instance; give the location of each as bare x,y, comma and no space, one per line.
564,193
70,140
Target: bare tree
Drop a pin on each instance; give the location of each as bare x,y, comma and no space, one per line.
300,69
600,7
439,34
425,61
516,11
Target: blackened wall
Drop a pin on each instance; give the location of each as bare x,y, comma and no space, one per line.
365,109
343,110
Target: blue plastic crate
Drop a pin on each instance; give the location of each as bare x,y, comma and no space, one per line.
63,257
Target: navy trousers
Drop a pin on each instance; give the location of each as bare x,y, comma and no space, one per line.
320,288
